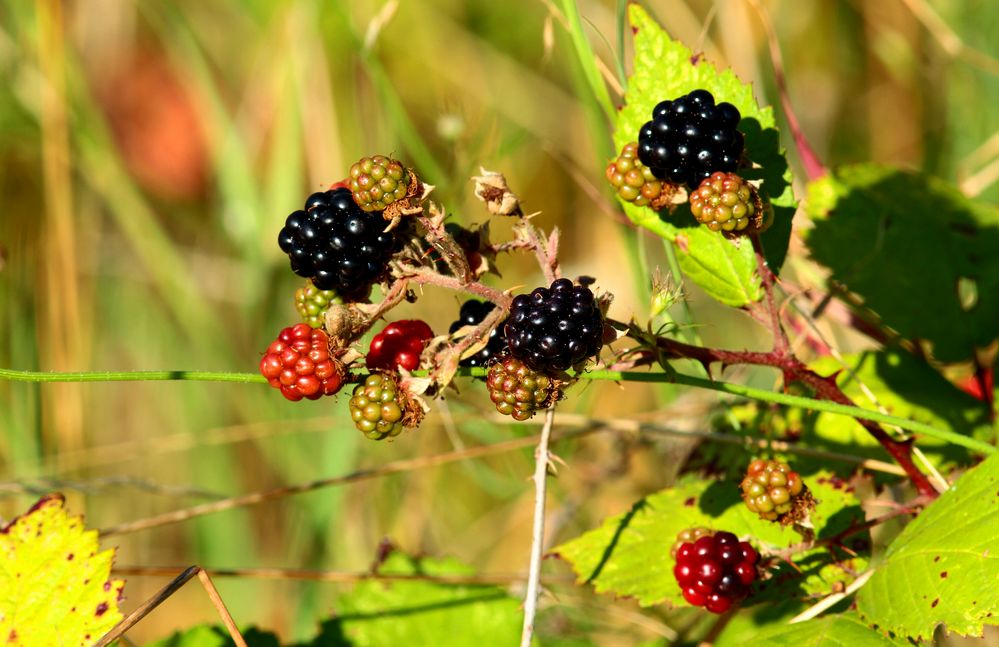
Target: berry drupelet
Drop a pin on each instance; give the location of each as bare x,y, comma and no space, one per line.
517,391
555,328
399,345
375,407
690,137
337,245
771,488
714,570
378,181
298,362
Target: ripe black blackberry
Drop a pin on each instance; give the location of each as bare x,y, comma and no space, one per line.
337,245
553,329
690,137
472,313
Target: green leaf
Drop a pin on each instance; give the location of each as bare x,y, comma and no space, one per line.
842,630
665,69
944,567
906,387
217,636
905,242
419,612
55,587
629,554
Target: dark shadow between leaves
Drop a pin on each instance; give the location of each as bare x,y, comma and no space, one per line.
904,242
718,497
612,544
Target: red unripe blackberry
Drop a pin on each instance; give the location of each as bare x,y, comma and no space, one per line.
399,344
378,181
690,137
771,488
726,202
337,245
298,362
472,313
714,570
311,303
553,329
375,407
518,391
634,181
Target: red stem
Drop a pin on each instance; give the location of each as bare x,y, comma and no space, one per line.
825,389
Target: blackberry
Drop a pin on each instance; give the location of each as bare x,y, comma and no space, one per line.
399,344
311,303
726,202
714,570
298,362
472,313
378,181
690,137
634,181
337,245
552,329
518,391
375,407
775,492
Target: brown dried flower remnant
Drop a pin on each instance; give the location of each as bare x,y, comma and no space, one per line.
492,189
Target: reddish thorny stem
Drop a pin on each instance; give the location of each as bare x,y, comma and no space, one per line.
792,368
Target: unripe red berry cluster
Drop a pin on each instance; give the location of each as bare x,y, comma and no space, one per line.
715,570
298,362
399,345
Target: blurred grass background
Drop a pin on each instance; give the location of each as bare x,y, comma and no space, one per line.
150,151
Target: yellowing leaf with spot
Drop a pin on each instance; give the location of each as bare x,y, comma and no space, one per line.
55,586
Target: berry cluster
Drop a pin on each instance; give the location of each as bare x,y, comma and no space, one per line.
337,245
634,181
375,407
472,313
298,362
690,137
726,202
399,344
518,391
311,303
378,181
714,570
771,488
552,329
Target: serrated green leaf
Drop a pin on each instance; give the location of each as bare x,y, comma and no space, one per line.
55,586
665,69
906,387
842,630
944,567
904,241
426,613
629,554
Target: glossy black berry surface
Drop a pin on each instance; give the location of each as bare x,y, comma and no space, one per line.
691,137
472,313
552,329
337,245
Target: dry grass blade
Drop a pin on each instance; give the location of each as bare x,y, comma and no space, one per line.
180,580
254,498
345,577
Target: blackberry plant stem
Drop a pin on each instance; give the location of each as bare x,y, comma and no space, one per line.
728,357
130,376
541,459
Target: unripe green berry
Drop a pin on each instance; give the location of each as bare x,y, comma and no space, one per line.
770,489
